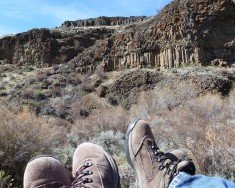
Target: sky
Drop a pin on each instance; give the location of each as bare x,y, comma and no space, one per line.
21,15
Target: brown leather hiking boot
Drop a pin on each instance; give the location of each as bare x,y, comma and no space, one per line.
46,172
94,167
153,168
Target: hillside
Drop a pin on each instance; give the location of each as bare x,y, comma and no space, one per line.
184,32
87,79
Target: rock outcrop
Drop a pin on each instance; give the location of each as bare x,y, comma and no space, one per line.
185,32
127,86
105,21
43,47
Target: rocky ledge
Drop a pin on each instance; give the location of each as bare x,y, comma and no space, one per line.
184,33
105,21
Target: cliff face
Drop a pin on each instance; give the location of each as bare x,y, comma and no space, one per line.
185,32
42,47
105,21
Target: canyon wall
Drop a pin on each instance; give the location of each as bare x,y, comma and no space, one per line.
43,47
184,33
105,21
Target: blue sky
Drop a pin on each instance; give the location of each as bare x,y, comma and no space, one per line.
21,15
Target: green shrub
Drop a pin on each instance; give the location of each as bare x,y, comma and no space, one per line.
5,180
39,95
111,141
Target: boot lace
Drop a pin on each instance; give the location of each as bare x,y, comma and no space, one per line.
80,181
161,158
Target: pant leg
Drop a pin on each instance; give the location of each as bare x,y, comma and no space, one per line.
183,180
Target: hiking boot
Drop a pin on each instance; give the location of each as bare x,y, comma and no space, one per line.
152,167
46,172
94,167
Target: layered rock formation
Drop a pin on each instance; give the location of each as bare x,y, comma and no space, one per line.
105,21
185,32
43,47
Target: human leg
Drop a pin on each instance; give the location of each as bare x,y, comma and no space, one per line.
183,180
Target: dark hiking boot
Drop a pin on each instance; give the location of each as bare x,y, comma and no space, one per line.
94,167
153,168
46,172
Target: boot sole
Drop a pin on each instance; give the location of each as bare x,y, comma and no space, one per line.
127,151
116,177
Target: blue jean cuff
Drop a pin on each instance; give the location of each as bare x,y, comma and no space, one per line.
178,179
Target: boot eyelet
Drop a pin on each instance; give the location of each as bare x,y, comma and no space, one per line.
87,164
87,173
90,172
176,173
89,180
160,167
85,180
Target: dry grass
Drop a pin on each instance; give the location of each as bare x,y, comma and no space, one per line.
203,125
22,136
74,78
115,119
162,100
85,105
27,93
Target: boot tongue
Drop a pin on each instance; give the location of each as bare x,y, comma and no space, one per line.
171,156
187,167
174,156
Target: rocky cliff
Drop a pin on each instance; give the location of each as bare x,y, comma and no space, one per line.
105,21
185,32
43,47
